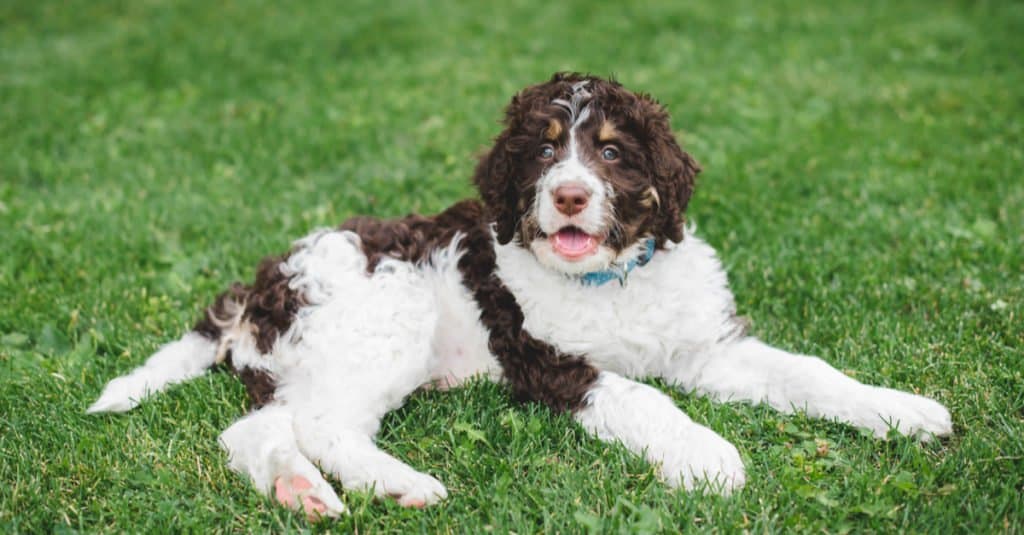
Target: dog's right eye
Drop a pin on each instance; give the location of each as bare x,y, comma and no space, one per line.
546,152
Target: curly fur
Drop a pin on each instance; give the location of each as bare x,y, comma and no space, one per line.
340,330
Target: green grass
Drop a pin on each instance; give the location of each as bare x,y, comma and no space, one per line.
862,182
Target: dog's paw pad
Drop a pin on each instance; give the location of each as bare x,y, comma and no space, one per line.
312,504
297,491
289,491
416,502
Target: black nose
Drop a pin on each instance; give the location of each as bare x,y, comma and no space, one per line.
571,199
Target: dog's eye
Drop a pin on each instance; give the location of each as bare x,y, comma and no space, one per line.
546,152
610,153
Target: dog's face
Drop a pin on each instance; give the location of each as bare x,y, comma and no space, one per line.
584,173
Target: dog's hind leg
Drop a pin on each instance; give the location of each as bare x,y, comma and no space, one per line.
262,446
361,345
175,362
348,453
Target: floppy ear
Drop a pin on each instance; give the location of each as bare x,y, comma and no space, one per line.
674,171
496,183
676,175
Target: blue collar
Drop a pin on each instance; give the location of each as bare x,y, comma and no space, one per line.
616,272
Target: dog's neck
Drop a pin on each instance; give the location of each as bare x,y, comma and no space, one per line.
619,272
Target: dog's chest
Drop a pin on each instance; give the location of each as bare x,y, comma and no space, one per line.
671,309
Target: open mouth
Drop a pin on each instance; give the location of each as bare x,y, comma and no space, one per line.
572,243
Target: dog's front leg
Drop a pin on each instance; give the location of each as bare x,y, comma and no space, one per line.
614,408
750,370
648,423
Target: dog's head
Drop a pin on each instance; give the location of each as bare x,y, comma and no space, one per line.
585,173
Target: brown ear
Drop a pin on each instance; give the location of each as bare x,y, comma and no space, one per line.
674,171
676,177
497,186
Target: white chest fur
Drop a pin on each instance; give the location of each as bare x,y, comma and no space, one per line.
668,312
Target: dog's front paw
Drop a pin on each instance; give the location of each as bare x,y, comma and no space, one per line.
414,489
911,415
647,422
701,459
315,498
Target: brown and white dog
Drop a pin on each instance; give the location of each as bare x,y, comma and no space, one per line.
575,274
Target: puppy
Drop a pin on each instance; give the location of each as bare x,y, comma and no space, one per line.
571,276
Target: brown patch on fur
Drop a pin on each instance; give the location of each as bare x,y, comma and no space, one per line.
411,238
268,306
272,305
554,130
215,316
535,371
607,132
266,309
259,384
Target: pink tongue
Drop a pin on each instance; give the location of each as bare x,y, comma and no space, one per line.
572,241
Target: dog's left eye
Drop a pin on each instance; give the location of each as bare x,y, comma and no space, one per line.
547,152
610,153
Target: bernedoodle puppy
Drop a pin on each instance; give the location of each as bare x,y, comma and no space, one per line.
574,275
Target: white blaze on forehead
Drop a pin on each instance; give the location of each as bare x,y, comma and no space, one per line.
572,169
578,114
579,94
574,152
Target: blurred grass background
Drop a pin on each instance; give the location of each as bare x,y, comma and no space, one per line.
862,182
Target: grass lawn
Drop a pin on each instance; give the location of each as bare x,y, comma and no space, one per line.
863,183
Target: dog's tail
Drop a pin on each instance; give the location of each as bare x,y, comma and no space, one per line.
177,362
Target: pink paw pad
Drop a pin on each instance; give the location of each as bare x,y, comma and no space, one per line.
418,503
286,492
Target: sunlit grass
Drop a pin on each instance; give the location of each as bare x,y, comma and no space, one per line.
862,183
